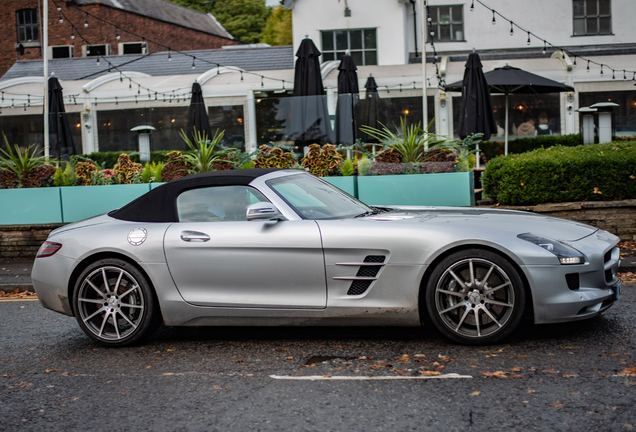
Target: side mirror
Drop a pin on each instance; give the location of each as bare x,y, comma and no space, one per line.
263,211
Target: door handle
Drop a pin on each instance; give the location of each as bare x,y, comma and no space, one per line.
194,236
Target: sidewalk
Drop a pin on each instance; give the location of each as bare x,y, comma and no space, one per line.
17,274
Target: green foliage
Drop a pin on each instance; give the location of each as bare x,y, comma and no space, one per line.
322,162
410,143
203,155
364,165
463,150
198,5
108,159
247,165
103,177
595,172
84,171
21,164
273,158
152,172
347,168
244,19
492,149
65,176
278,28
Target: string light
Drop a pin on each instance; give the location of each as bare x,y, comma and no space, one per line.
116,101
262,85
545,46
97,60
242,76
528,38
494,21
59,8
588,66
138,88
624,75
512,30
61,19
72,33
86,20
193,65
574,61
117,34
601,69
472,6
613,74
169,56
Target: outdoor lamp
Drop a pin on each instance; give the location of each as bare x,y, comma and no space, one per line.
442,98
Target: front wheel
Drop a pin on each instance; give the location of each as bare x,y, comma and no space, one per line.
475,297
114,303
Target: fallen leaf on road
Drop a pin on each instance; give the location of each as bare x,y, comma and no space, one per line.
557,404
51,370
569,374
430,373
241,360
628,372
400,372
533,391
286,358
326,376
475,393
516,369
420,355
10,376
168,373
24,385
551,371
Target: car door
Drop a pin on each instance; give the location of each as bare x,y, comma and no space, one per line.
217,258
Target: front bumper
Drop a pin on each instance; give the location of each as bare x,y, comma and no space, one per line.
564,293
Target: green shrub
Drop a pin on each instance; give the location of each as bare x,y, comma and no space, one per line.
347,168
364,165
322,162
109,159
596,172
492,149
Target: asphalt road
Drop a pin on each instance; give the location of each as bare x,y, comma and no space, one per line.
557,377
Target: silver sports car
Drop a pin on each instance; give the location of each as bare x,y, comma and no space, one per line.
282,247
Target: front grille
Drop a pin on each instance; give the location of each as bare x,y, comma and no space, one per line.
607,256
572,279
610,272
368,271
374,259
359,287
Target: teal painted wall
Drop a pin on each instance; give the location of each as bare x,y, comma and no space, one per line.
443,189
86,201
30,206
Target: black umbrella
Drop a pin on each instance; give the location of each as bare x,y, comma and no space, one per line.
348,98
197,115
60,139
509,79
476,113
310,122
370,115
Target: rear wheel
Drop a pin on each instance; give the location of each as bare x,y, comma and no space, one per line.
115,304
475,297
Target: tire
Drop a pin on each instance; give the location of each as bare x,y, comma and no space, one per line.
475,297
115,304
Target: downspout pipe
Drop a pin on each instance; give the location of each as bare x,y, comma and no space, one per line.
415,27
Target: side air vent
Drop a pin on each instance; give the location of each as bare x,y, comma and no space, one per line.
572,279
359,287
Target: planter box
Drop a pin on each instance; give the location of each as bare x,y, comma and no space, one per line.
81,202
445,189
349,184
30,206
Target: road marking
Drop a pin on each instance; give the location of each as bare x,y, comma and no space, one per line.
366,378
18,299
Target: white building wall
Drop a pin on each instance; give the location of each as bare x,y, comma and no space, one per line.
387,16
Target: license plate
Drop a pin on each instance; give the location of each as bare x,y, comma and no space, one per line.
618,290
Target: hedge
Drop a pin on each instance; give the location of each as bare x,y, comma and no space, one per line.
109,158
492,149
595,172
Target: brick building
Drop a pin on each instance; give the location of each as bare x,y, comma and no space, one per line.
71,27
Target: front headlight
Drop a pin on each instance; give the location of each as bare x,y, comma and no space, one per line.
566,254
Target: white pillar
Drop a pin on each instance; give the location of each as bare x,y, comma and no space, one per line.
588,129
144,147
251,143
45,66
604,127
88,141
423,44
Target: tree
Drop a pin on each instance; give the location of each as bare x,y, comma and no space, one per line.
244,19
278,28
198,5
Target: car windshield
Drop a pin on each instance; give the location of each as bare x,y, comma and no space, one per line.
316,199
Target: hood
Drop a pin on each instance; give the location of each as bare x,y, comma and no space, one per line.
487,220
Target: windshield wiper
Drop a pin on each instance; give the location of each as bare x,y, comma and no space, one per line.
367,213
381,209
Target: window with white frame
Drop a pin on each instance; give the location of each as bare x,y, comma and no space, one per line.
27,21
62,51
132,48
592,17
447,23
95,50
361,42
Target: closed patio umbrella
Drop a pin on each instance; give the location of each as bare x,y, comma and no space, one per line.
348,98
370,115
60,139
197,115
509,80
310,122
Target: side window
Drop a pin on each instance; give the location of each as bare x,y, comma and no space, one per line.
217,204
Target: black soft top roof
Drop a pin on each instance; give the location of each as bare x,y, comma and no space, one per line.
159,205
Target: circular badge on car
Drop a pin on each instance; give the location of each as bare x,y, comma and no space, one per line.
137,236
